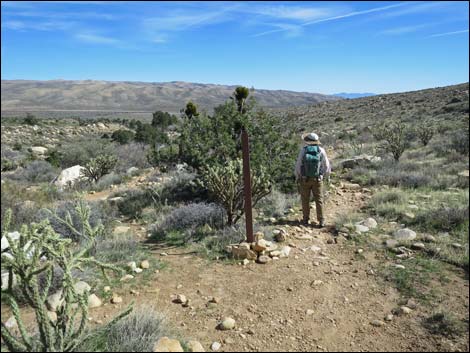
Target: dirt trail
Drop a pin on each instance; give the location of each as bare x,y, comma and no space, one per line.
340,289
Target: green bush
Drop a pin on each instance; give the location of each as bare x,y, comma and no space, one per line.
394,136
97,167
122,136
30,120
150,135
211,140
225,185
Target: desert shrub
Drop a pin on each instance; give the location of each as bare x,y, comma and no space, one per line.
276,203
163,119
81,152
425,132
98,215
122,136
150,135
213,247
402,178
392,196
459,141
135,200
132,155
394,136
191,216
8,165
99,166
445,324
137,332
181,187
30,120
225,185
158,156
117,248
35,172
59,252
54,157
17,146
107,180
443,218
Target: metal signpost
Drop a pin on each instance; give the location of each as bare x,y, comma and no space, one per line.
247,186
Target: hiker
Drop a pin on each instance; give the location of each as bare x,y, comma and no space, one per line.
311,168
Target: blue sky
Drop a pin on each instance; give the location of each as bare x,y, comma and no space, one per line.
324,47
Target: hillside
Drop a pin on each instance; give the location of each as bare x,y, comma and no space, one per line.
25,95
448,103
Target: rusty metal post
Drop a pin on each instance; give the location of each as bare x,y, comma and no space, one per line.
247,186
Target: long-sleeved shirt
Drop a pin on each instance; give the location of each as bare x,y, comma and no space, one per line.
325,167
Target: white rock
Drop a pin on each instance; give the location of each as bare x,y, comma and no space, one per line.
227,324
369,223
38,151
68,177
94,301
361,229
166,344
81,287
216,346
404,234
285,251
54,301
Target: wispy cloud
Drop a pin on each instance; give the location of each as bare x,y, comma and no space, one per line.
37,26
339,17
405,29
96,39
302,13
448,33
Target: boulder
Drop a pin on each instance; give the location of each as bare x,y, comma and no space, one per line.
38,151
363,160
404,234
195,346
94,301
227,324
81,287
361,228
369,223
68,177
166,344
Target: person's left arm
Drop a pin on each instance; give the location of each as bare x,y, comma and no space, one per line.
325,163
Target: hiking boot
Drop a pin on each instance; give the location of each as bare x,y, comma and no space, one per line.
321,224
305,223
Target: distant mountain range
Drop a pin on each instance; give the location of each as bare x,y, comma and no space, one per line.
89,95
353,95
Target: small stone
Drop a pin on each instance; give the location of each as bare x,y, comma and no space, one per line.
54,301
195,346
404,234
165,344
389,317
229,340
106,289
377,323
391,243
457,245
116,300
214,300
263,259
137,270
52,316
145,264
317,282
418,246
81,287
398,266
216,346
94,301
11,323
309,312
405,310
132,265
227,324
369,223
359,228
359,251
126,278
163,254
245,262
180,299
429,238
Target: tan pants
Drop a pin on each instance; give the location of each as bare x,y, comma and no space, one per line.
308,186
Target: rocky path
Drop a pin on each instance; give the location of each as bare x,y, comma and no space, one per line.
323,297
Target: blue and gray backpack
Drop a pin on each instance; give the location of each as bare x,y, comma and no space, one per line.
311,162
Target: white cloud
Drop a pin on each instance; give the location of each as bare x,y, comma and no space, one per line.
96,39
448,33
404,29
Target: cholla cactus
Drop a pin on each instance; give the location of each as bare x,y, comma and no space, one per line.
394,136
99,166
225,184
38,250
425,132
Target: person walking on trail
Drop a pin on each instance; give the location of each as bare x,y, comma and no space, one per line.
311,168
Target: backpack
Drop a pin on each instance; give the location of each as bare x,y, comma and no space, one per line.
311,162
